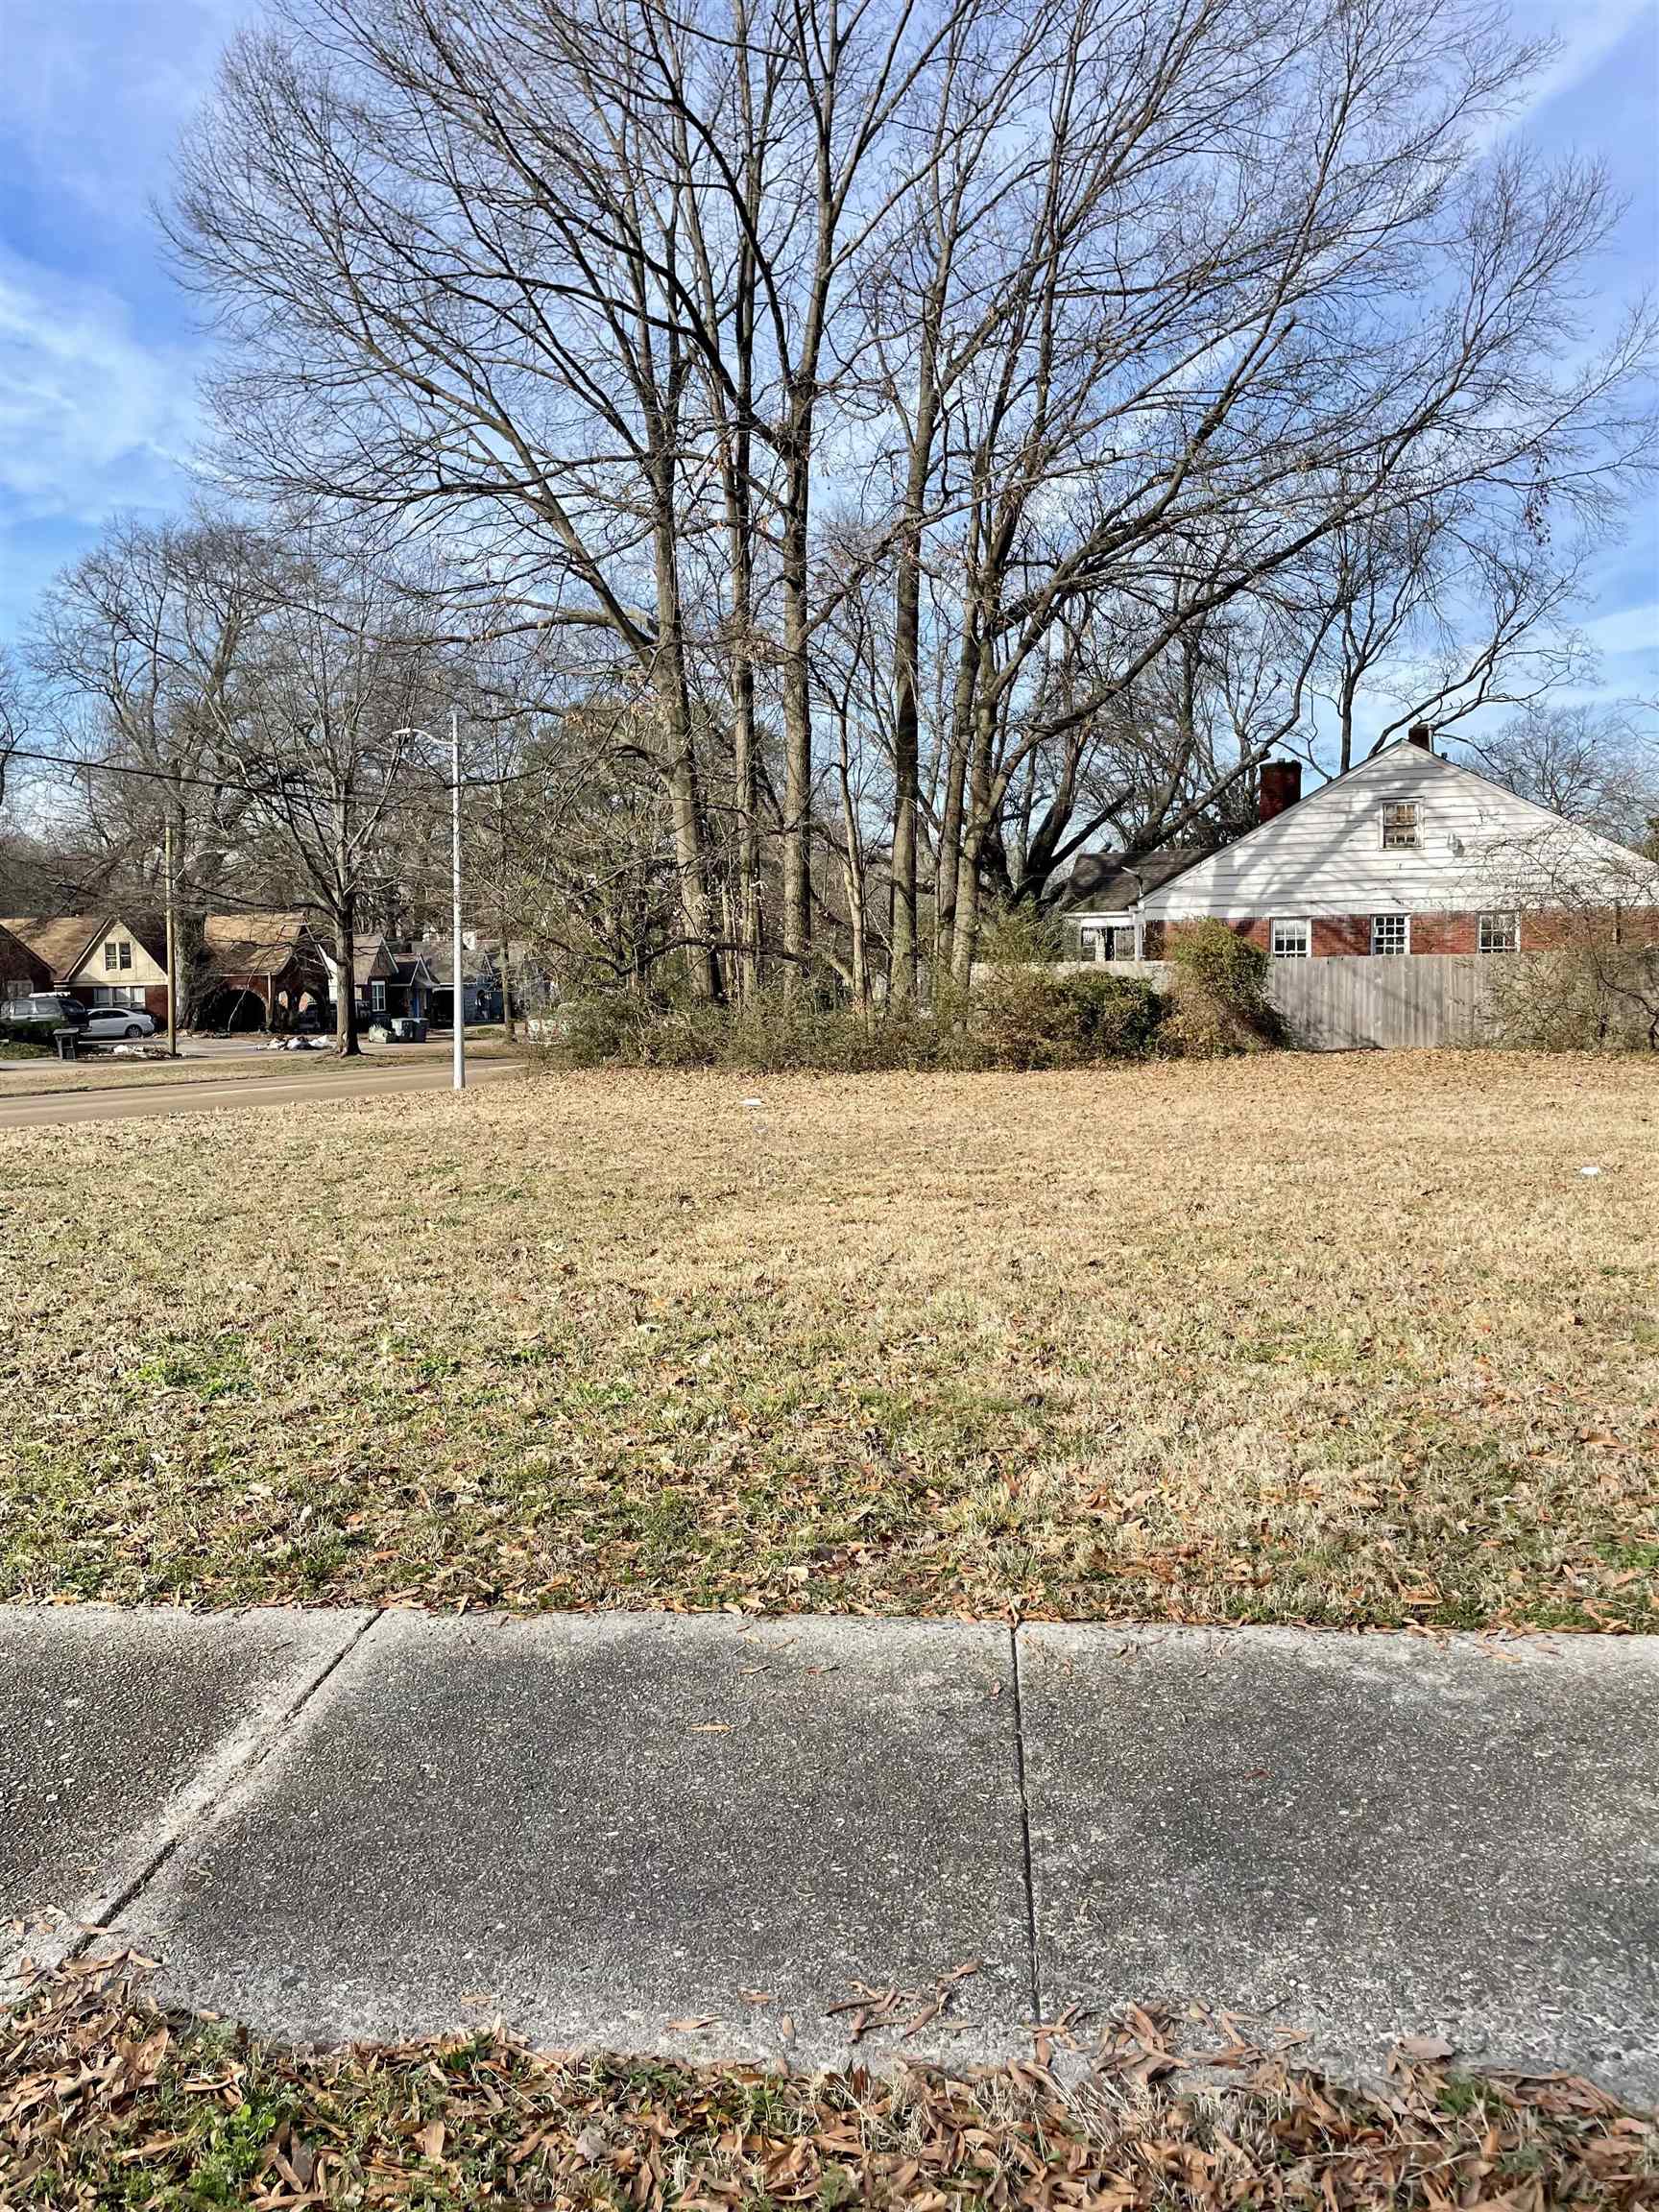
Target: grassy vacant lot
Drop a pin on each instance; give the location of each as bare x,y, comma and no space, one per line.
1343,1340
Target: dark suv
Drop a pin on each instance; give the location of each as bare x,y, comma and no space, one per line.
42,1008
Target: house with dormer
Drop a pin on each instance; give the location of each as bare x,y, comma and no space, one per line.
103,959
1406,855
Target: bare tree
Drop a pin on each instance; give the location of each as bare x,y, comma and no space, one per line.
140,648
1592,762
14,717
1088,350
330,739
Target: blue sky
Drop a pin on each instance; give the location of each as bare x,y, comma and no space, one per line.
98,356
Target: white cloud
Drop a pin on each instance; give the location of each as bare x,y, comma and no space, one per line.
1587,34
92,416
1630,630
140,67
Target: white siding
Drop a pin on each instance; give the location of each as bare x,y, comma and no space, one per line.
1480,846
92,971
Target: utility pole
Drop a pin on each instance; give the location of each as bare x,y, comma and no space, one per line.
172,951
458,994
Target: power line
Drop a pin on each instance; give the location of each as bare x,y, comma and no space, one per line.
285,787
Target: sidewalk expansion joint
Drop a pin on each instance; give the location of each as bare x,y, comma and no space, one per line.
1025,1831
212,1784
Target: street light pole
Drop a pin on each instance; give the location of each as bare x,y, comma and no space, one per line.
458,994
171,954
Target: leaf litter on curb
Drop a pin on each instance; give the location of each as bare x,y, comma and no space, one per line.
108,2100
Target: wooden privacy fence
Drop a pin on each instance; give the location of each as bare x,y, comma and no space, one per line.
1340,1003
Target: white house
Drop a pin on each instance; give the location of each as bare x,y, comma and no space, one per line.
1408,853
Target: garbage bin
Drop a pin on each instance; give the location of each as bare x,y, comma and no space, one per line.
409,1030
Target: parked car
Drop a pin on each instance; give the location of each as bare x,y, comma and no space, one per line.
118,1022
56,1008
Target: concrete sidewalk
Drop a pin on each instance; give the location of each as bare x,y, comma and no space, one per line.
704,1836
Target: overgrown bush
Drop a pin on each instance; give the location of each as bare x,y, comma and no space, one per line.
1041,1018
1022,934
768,1035
1016,1017
1219,994
1587,996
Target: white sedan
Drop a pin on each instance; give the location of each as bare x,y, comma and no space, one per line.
118,1022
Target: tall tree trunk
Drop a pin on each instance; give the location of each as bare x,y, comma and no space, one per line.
745,757
797,724
979,813
345,988
947,872
680,770
506,941
907,707
853,874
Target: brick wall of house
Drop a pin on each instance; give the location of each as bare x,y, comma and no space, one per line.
1335,935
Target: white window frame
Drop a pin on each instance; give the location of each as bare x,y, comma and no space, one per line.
1394,834
377,995
1302,921
1506,916
1391,951
109,957
1092,941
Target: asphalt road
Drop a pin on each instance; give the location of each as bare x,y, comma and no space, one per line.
311,1082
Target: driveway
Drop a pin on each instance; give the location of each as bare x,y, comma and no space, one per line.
312,1080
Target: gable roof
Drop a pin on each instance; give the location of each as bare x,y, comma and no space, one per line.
18,959
254,944
372,957
1401,769
1110,883
62,941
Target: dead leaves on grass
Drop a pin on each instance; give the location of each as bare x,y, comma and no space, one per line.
928,1401
104,2099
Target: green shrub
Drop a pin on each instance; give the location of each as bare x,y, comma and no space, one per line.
1219,994
30,1038
1126,1015
1217,960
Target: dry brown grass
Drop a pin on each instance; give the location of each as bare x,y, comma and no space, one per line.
1347,1340
106,2101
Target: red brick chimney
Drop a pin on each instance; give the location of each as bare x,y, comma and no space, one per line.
1422,735
1281,787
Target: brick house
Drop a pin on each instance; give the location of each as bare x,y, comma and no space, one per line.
1407,855
260,971
102,959
22,968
